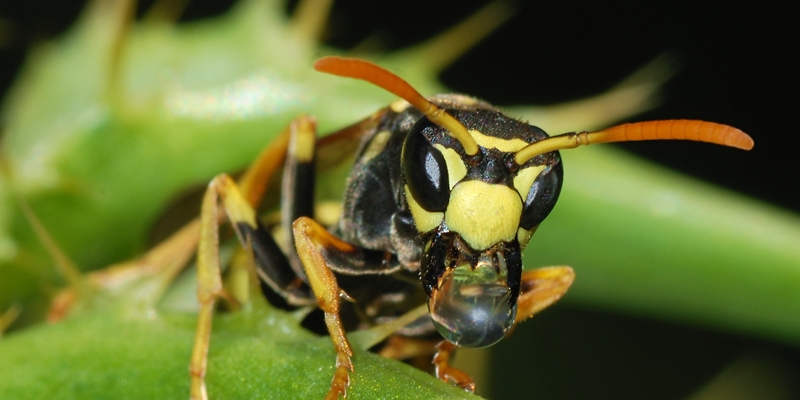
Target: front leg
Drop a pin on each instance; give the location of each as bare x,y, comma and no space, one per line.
311,239
447,373
539,289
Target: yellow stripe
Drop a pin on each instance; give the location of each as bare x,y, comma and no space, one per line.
425,220
375,146
399,105
235,205
524,179
456,170
305,140
524,236
491,142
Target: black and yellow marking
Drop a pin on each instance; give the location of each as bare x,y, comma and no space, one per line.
299,179
483,213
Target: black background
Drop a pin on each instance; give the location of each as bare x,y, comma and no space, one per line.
737,66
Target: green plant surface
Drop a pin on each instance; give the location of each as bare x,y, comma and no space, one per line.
256,355
106,127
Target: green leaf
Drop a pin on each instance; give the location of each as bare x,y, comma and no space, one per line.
119,354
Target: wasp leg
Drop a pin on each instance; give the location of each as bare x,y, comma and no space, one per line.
447,373
239,205
541,288
209,286
297,191
284,273
311,239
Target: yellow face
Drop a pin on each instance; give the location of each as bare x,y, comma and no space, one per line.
482,213
475,213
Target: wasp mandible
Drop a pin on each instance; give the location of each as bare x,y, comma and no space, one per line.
443,197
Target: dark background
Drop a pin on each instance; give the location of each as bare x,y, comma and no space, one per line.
737,66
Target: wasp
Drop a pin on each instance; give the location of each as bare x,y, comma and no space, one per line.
443,197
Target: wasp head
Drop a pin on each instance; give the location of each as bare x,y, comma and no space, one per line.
476,213
478,184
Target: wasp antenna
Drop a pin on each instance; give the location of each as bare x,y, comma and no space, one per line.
367,71
678,129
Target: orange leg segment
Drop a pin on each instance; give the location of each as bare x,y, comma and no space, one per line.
447,373
310,239
541,288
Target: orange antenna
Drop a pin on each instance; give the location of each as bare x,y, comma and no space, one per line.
677,129
367,71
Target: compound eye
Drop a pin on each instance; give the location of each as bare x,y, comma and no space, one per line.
472,308
425,171
542,196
